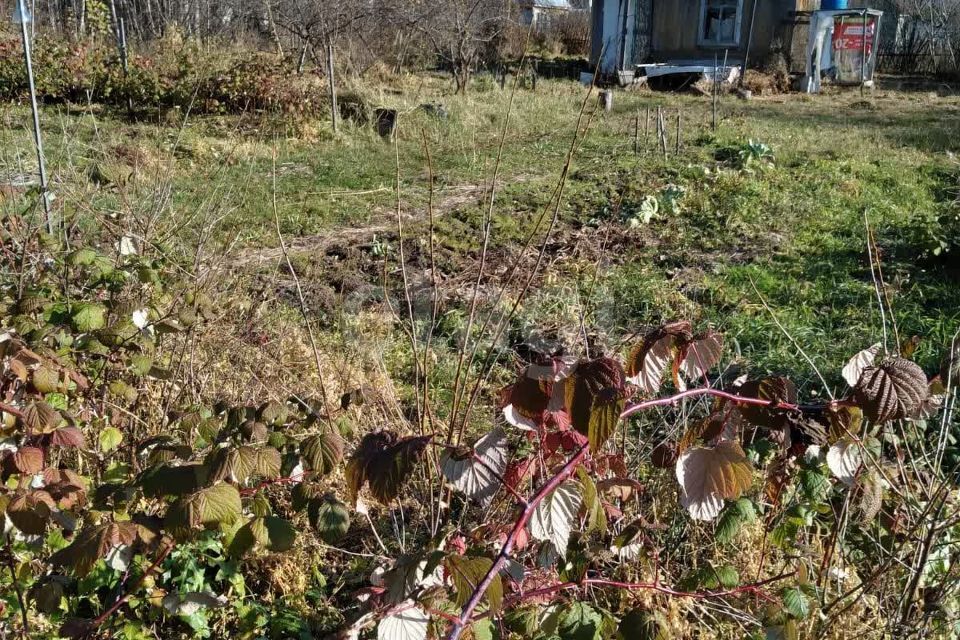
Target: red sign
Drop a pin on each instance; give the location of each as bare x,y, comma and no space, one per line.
848,35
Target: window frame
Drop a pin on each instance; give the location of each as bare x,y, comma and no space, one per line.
702,28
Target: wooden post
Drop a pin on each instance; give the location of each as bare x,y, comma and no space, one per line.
662,125
636,133
658,126
606,100
677,151
716,87
716,74
646,127
664,142
333,86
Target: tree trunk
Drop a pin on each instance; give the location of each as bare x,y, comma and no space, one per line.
272,26
150,20
115,24
303,58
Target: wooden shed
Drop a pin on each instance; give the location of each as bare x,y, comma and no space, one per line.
628,33
541,13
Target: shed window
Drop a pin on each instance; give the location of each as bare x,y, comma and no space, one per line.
720,22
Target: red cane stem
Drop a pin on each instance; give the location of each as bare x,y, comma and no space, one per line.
11,410
249,491
565,472
167,548
660,402
507,548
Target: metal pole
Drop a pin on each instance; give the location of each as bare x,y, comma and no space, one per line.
863,55
624,8
746,54
725,52
44,194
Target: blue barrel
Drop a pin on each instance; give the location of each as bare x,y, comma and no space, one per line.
833,5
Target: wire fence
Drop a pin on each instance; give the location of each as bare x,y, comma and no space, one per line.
932,64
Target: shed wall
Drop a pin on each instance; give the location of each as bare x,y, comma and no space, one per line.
676,25
661,30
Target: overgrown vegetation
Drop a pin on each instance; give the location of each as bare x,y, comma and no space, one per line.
255,387
176,74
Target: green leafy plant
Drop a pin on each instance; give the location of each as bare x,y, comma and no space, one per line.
643,214
755,155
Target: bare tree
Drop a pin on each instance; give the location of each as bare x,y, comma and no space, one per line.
459,35
461,32
933,28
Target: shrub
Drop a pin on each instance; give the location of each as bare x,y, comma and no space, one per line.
102,512
230,83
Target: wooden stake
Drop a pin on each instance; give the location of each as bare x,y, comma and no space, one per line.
658,126
646,128
636,133
606,100
716,74
677,151
663,132
332,86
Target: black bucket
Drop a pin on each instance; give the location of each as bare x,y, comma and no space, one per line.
386,121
